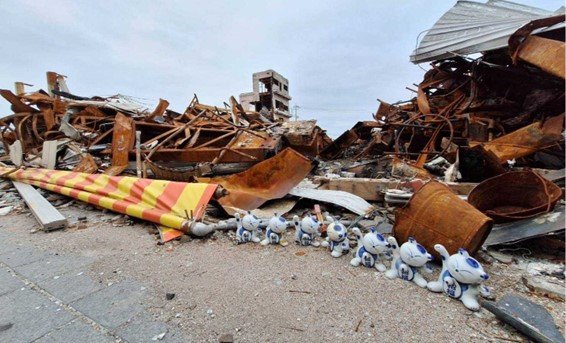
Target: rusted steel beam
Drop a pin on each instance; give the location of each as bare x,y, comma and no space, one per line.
209,154
547,54
527,140
17,104
123,140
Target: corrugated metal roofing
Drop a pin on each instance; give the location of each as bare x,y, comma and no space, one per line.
470,27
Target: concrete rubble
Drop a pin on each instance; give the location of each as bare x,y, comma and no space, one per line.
474,160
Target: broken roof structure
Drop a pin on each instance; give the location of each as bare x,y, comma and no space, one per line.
471,27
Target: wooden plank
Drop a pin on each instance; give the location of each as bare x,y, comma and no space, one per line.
47,215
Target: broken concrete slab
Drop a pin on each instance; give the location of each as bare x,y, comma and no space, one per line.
514,232
48,216
529,318
544,287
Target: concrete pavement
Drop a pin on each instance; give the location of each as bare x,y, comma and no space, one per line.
47,297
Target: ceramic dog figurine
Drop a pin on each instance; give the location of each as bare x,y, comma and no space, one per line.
336,239
275,229
247,228
371,248
306,230
460,278
409,260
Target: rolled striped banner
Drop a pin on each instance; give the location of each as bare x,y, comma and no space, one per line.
166,203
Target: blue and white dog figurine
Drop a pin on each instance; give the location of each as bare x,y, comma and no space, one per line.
460,278
336,239
306,230
275,229
409,260
371,248
247,228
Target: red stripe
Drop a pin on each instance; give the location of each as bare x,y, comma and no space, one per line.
110,187
88,181
170,195
152,215
136,191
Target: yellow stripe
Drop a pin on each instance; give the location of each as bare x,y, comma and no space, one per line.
189,199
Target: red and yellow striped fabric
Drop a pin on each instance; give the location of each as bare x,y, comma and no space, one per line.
165,203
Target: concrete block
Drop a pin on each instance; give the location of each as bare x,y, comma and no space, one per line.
31,314
144,328
70,286
21,255
114,305
8,282
76,331
50,266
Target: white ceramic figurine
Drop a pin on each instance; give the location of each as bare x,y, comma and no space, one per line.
371,248
306,230
247,228
409,261
336,239
460,278
275,229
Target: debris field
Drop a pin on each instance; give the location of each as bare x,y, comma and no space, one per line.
474,162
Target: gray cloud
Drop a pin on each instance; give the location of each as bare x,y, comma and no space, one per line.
339,56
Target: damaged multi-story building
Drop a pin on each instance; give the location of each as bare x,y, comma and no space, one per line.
270,95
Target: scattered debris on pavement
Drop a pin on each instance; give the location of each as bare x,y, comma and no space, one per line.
474,160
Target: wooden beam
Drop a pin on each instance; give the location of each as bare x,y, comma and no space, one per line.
48,216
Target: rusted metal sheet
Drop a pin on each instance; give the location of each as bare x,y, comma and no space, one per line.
527,140
86,165
401,168
435,215
515,195
123,140
17,105
547,54
270,179
159,109
346,200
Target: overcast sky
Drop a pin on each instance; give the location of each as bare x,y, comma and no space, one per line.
339,56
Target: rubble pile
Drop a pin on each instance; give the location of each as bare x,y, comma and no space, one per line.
474,160
104,134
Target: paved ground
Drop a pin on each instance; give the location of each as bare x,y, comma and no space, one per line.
47,297
108,282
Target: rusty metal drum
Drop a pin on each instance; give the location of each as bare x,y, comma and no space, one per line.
515,195
435,215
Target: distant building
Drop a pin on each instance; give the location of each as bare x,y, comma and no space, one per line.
270,95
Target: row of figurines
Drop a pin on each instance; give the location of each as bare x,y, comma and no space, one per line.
461,274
